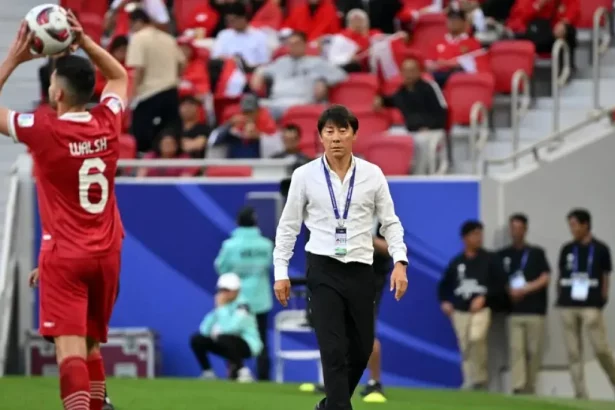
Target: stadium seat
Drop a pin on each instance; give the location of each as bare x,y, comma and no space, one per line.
462,90
305,117
371,122
588,9
128,146
393,154
93,25
359,89
506,57
429,29
228,171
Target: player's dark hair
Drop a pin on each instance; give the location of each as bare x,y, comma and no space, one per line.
246,217
78,75
519,217
293,128
139,16
470,226
582,216
338,116
300,35
118,42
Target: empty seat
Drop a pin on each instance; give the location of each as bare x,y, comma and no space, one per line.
93,25
462,90
228,171
506,57
194,13
588,8
306,118
371,122
128,146
429,29
393,154
359,89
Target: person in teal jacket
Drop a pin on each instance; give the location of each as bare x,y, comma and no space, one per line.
229,331
250,255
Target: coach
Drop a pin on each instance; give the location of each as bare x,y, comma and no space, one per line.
338,196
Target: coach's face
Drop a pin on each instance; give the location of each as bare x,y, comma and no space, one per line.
337,141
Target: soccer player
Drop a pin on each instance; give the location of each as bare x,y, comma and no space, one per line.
75,155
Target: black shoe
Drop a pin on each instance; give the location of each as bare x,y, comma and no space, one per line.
372,386
480,387
320,405
108,405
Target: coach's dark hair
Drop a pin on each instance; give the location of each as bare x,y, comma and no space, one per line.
78,77
139,15
338,116
518,217
300,35
470,226
582,216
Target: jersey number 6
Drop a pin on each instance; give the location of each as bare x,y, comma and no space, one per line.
86,180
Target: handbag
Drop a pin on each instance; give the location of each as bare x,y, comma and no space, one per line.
540,33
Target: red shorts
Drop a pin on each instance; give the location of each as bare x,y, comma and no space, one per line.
77,295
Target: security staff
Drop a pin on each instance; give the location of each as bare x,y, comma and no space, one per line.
584,268
527,272
471,278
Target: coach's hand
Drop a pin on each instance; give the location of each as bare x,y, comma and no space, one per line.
282,291
399,280
33,279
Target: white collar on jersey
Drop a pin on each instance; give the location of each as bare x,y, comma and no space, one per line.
83,116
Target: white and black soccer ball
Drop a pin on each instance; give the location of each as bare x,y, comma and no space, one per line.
52,33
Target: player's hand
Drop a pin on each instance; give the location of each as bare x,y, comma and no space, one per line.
21,50
33,278
477,304
77,29
399,280
281,288
447,308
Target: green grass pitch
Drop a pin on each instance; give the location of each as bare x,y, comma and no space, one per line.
18,393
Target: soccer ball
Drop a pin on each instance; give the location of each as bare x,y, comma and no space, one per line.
51,29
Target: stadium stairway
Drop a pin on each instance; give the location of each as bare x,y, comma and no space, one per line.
19,93
576,103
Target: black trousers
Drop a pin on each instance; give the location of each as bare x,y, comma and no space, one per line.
232,348
263,364
341,306
153,115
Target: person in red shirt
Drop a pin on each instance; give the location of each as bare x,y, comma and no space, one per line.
444,59
315,18
528,16
75,153
195,71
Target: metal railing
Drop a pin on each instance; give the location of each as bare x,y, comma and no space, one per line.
519,105
600,45
479,132
7,270
438,160
558,80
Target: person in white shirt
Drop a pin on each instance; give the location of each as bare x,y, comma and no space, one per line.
338,196
241,40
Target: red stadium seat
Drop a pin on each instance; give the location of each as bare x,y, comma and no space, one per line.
371,122
93,25
417,4
588,8
128,146
305,117
462,90
359,89
393,154
228,171
506,57
429,29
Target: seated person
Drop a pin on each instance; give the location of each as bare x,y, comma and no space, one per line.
166,146
229,331
195,70
451,54
296,78
194,131
291,136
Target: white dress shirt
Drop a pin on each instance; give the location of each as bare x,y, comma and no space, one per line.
251,45
309,202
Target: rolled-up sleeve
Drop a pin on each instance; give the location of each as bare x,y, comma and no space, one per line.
289,225
391,228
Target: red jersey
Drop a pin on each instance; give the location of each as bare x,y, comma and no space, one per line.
452,47
75,156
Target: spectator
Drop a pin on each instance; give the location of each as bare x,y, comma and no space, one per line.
452,53
544,21
498,10
315,18
291,136
467,283
229,331
156,60
118,49
296,78
194,131
166,147
195,72
240,40
117,19
250,255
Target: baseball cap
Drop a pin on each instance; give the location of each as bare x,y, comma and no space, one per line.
248,103
229,281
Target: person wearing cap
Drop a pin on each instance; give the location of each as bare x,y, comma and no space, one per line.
228,331
250,255
453,53
471,279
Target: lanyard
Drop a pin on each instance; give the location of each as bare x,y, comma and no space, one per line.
336,211
590,259
524,258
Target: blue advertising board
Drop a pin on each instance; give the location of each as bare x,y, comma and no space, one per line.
174,232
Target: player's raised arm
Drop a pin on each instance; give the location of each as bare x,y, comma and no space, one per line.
110,68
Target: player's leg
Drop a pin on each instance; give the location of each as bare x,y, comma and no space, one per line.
102,291
108,405
63,317
374,384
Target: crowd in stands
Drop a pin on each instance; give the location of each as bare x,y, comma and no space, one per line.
250,76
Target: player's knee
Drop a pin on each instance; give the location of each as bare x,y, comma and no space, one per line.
93,346
70,346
